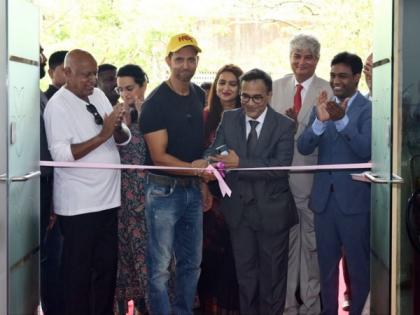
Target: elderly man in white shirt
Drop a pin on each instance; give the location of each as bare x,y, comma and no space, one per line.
82,126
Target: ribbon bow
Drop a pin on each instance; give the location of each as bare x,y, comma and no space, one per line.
224,188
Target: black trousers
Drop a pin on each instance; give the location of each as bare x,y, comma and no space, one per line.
261,266
89,262
50,243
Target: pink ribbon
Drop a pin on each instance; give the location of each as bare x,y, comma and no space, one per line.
220,166
149,167
224,188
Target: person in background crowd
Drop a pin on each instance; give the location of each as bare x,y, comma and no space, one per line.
218,286
51,242
56,72
206,87
341,131
295,95
107,82
172,123
368,71
82,126
48,295
261,209
132,234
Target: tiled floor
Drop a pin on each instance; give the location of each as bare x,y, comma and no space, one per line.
340,298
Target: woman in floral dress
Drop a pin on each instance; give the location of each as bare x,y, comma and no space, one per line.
131,276
218,286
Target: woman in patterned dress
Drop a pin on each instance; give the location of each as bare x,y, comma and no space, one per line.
131,276
218,286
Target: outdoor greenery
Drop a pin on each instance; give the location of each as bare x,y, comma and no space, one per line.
250,33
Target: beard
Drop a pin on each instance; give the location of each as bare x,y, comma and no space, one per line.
185,76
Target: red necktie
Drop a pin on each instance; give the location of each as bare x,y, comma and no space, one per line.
297,100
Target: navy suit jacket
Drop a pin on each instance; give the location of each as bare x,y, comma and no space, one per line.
266,192
351,145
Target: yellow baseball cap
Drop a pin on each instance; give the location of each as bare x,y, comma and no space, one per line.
179,41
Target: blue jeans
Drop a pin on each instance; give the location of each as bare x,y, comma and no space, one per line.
174,217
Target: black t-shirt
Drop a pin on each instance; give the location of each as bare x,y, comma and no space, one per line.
181,116
50,91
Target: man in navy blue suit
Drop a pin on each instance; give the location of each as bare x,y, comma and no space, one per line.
341,131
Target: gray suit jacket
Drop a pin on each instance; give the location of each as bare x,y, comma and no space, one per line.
266,192
283,94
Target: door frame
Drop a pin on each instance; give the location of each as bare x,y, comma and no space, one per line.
3,161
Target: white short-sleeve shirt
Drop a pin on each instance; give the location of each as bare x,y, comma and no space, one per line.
80,191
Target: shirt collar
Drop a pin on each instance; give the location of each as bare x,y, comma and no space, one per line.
305,83
260,118
74,97
350,100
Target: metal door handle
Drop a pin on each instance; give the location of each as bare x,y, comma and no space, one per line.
377,179
26,177
3,177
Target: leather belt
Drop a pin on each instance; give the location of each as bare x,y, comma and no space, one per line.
173,180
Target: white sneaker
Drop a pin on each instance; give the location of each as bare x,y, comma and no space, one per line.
346,305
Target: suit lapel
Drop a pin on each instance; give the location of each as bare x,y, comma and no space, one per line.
289,94
266,131
241,134
307,104
359,101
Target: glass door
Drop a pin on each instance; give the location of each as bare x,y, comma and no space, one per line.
3,162
381,158
19,150
408,253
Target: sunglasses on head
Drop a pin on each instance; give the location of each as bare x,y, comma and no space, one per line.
92,109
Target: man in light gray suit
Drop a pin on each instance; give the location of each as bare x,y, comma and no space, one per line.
261,210
295,95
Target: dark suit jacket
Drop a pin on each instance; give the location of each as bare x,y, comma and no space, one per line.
351,145
267,192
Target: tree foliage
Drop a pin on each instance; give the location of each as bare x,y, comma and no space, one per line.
250,33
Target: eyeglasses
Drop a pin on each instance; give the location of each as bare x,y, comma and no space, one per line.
120,89
92,109
257,99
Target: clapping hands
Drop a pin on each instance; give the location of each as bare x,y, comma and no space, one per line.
330,110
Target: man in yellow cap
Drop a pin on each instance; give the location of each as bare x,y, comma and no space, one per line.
172,123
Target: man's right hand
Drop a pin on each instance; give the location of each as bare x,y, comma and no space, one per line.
290,112
321,107
203,174
112,121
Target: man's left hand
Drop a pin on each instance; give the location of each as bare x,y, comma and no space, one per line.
203,174
337,111
230,160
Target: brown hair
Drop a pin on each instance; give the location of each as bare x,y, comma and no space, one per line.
215,108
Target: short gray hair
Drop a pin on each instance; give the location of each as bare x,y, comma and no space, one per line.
303,41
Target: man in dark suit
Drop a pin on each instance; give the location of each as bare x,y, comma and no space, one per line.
341,130
261,210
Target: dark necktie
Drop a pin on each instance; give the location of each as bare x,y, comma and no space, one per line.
251,142
297,100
